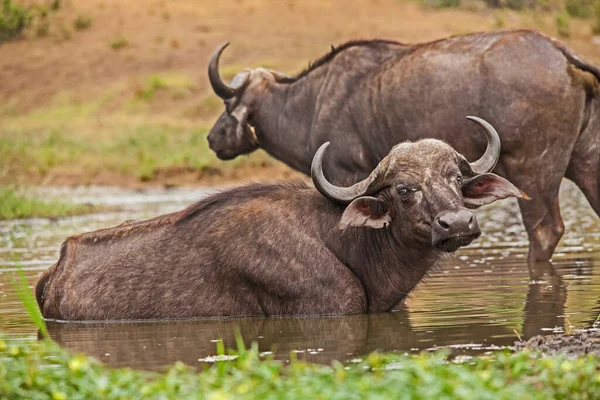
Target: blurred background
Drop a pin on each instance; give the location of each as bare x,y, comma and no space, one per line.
116,93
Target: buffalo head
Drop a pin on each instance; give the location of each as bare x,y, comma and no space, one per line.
423,191
232,134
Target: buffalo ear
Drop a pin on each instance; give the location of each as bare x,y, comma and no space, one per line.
367,212
486,188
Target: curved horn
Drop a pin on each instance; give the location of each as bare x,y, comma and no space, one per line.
488,161
221,88
342,195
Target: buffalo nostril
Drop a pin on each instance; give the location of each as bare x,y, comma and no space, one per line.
443,223
471,219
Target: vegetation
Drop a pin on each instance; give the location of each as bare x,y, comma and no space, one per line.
41,370
580,8
596,26
14,18
442,3
118,43
82,22
574,8
562,25
14,204
70,139
153,84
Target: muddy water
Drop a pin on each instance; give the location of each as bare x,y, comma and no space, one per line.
477,301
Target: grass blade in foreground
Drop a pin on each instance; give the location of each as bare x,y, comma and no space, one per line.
26,296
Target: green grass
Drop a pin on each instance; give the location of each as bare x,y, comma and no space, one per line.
118,43
41,370
580,8
82,22
562,25
177,85
77,140
14,18
15,204
138,151
596,24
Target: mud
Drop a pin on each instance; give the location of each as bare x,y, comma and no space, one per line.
574,345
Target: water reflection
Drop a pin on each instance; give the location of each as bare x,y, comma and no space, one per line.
151,345
546,298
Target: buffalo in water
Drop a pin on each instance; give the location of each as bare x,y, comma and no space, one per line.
366,96
283,249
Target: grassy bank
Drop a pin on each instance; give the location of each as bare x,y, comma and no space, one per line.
68,145
40,370
16,204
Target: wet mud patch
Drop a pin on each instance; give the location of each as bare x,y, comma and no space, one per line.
574,345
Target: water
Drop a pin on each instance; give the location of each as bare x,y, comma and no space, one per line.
478,301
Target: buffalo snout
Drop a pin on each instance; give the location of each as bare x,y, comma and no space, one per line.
454,229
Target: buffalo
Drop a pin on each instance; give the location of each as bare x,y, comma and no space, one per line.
283,248
366,96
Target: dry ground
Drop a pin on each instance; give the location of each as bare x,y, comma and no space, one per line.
87,106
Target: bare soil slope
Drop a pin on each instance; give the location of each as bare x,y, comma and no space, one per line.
145,61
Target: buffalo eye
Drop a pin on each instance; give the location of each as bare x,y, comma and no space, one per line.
404,192
458,179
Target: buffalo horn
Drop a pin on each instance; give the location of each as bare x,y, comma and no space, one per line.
222,90
488,161
342,195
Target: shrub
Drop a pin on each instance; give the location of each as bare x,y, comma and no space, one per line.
580,8
82,23
14,18
596,26
442,3
119,43
562,25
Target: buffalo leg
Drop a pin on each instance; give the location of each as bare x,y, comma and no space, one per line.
584,172
590,187
544,225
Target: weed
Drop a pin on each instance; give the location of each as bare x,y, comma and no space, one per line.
499,21
516,4
42,27
596,26
82,23
151,86
562,25
15,204
442,3
26,297
118,43
65,32
14,18
580,8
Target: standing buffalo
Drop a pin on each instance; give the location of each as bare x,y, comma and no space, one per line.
283,249
366,96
